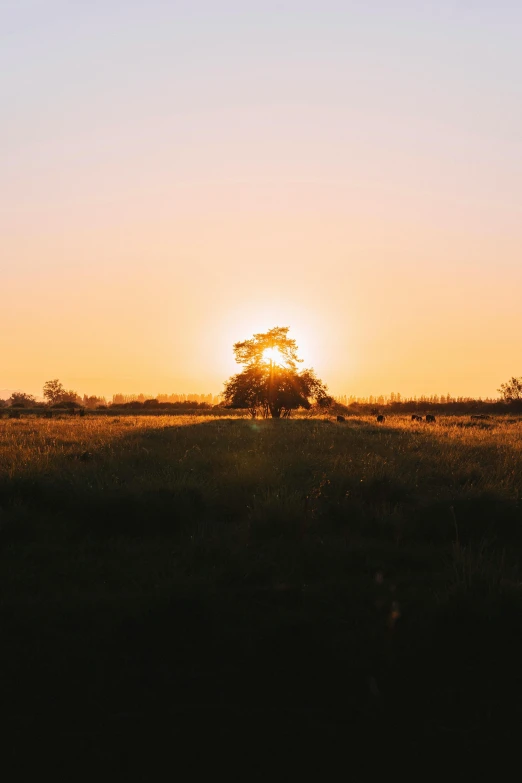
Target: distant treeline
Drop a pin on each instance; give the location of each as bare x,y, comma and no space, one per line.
434,403
155,404
209,399
457,407
154,407
56,396
398,398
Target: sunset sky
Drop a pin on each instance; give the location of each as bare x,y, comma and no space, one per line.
176,176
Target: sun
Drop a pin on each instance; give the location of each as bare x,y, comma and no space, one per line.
274,355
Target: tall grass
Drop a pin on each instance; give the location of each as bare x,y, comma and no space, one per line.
152,563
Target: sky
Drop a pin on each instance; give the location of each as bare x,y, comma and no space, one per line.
176,176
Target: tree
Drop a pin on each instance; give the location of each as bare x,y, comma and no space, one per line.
54,393
270,381
22,400
512,390
71,397
93,401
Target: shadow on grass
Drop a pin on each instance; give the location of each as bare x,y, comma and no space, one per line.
326,577
154,481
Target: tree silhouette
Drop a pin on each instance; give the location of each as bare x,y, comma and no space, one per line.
54,393
512,390
271,383
22,400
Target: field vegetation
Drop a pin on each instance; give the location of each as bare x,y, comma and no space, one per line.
221,573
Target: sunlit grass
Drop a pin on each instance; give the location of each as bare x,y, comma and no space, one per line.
285,546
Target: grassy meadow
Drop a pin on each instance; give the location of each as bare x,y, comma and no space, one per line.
229,578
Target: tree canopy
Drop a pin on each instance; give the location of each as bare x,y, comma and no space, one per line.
54,393
253,351
512,390
22,400
270,382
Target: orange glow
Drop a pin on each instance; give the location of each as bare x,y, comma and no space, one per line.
204,178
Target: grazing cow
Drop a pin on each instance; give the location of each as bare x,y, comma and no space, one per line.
341,418
430,417
381,418
415,417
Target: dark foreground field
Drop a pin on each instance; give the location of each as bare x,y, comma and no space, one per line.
186,590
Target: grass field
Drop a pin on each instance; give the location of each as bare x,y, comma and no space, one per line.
230,578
